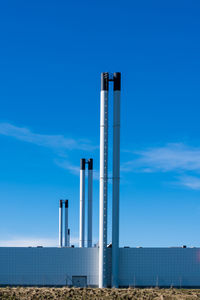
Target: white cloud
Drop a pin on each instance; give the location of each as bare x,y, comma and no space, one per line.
33,242
68,166
172,157
58,142
190,182
27,241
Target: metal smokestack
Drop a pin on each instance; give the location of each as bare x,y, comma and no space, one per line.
68,240
116,177
60,224
66,223
82,203
103,181
90,191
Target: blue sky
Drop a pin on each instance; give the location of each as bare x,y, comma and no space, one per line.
51,57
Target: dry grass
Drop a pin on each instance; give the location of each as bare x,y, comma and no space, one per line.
26,293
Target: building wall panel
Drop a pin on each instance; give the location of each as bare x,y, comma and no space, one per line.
47,266
137,266
159,267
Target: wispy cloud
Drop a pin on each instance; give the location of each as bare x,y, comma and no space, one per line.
173,157
190,182
58,142
68,166
27,241
33,242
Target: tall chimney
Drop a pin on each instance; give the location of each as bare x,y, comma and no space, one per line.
82,203
103,181
66,223
116,178
60,224
90,190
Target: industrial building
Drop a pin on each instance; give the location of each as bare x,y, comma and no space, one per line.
100,266
138,267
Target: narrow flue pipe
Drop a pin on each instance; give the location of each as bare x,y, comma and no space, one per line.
66,222
116,178
60,223
82,204
68,240
90,192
